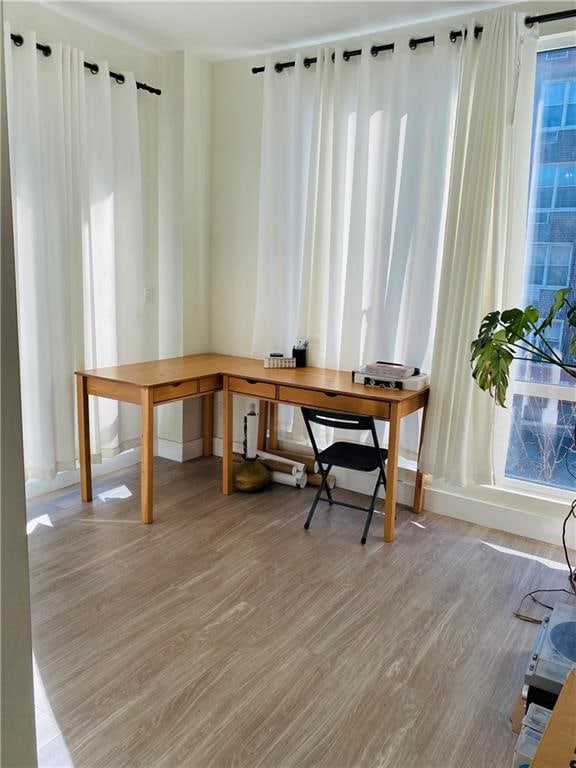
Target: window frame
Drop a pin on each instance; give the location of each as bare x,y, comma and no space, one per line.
551,391
545,285
565,103
552,208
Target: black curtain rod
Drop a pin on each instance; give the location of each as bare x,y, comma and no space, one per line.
413,43
46,50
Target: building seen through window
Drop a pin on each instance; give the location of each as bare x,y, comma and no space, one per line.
543,405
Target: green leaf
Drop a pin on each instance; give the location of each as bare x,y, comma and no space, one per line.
557,304
488,325
518,323
491,366
492,351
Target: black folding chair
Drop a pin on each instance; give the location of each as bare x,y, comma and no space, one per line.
364,458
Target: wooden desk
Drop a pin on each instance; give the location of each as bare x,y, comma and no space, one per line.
164,381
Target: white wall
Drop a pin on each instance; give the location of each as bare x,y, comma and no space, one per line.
184,238
236,118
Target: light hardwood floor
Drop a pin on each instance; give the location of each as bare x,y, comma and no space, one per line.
226,635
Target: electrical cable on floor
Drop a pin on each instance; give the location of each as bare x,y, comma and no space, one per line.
571,570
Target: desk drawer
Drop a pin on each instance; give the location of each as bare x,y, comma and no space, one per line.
334,402
178,391
210,383
252,387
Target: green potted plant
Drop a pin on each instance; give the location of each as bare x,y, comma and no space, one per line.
520,334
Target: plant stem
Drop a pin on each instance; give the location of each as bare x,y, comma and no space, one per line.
555,356
532,349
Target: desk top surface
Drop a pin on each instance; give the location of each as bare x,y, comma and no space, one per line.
177,369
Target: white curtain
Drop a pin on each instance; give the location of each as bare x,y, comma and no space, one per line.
354,170
75,162
483,249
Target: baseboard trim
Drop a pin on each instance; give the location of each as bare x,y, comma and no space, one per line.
170,449
35,488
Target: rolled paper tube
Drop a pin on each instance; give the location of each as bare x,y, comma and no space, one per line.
251,422
296,481
299,458
275,465
316,478
295,466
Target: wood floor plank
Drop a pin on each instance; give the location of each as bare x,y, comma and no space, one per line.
226,635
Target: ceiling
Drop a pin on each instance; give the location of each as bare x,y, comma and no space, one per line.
226,30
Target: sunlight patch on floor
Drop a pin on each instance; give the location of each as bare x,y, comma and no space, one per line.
48,733
543,560
31,525
121,492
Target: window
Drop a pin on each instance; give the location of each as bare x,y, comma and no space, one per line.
543,402
558,104
549,264
555,186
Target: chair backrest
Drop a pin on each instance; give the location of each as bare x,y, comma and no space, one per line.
336,420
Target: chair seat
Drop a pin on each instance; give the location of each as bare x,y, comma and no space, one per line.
352,456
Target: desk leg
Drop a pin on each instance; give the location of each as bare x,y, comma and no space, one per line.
147,458
84,437
262,424
392,474
227,438
419,483
207,424
273,426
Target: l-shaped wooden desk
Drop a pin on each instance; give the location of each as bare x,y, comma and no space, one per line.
165,381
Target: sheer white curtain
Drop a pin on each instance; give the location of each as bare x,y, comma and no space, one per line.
355,164
75,162
484,240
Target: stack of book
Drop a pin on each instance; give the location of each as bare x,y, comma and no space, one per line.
391,376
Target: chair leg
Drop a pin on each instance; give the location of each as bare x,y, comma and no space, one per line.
328,491
314,504
323,485
381,479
